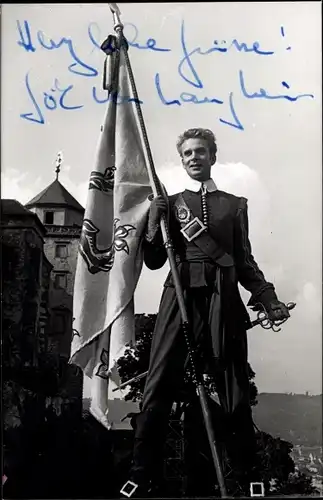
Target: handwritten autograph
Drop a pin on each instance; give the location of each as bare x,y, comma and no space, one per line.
60,96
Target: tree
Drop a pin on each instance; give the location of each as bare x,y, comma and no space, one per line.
277,468
297,483
136,359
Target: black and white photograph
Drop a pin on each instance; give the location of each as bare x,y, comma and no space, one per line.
161,250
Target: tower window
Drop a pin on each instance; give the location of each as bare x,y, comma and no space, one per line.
49,218
60,280
61,250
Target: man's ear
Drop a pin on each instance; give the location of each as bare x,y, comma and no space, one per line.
213,158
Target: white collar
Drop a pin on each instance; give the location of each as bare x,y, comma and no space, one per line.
193,185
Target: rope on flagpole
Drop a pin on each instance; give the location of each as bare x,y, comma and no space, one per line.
157,191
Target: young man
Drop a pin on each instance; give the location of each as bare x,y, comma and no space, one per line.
209,231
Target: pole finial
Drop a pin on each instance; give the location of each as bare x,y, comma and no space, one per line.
118,26
114,8
58,164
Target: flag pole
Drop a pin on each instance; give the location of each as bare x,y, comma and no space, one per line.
157,191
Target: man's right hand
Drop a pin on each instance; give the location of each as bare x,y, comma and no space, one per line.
158,207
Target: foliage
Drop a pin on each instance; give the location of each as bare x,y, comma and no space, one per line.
274,463
297,483
276,468
136,359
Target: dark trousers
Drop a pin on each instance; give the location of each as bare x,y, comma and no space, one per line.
166,374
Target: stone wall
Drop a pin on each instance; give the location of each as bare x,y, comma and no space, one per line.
34,354
22,259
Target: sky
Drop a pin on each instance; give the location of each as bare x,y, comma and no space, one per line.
269,148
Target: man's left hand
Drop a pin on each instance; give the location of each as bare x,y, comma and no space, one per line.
277,311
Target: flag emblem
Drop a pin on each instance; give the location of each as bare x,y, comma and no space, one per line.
103,182
102,259
103,369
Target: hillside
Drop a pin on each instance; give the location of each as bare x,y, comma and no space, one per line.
294,417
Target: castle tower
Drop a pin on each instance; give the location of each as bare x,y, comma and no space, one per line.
62,217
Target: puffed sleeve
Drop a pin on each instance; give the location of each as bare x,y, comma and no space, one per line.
248,272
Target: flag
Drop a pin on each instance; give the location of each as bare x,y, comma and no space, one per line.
110,250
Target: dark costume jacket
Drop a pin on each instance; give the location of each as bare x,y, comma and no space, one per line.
228,226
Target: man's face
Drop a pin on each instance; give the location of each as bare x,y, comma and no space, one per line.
196,159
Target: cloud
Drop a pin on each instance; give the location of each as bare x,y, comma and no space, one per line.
310,302
79,191
14,186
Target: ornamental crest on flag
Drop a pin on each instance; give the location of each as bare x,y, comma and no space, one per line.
102,181
102,259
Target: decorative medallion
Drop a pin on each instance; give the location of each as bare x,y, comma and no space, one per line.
183,214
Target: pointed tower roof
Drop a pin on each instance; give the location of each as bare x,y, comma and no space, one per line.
55,195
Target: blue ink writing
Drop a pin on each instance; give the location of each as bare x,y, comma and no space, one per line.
49,101
236,123
194,79
263,94
282,31
78,66
185,97
94,39
25,37
150,43
38,117
64,92
243,47
161,95
52,45
60,97
197,83
118,99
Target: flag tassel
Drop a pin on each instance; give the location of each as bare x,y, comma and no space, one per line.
158,190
